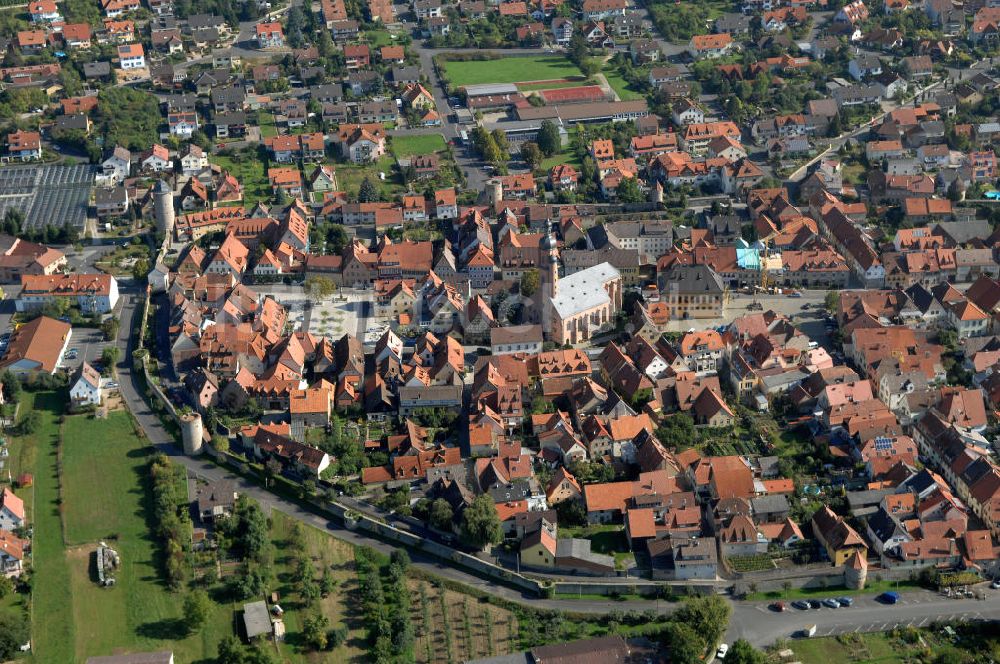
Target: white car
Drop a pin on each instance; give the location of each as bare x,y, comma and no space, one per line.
722,652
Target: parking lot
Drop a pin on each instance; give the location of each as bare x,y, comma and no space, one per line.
88,344
758,622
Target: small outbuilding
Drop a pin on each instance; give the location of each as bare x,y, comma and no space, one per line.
256,620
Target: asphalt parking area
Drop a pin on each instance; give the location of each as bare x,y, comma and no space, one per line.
89,344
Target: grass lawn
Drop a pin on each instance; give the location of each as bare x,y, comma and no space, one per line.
266,122
510,70
854,173
379,38
350,176
340,606
250,173
52,623
561,158
620,86
793,443
717,8
607,539
833,591
907,645
125,257
406,146
139,612
872,647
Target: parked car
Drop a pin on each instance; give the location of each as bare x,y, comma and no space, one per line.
722,651
846,601
995,585
831,603
778,606
889,597
801,605
815,604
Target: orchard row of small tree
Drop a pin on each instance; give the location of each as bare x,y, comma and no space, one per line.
386,605
316,631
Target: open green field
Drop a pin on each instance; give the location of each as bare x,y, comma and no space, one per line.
52,623
265,121
379,38
875,647
250,173
560,158
621,87
407,146
139,612
340,606
74,618
350,176
510,70
119,262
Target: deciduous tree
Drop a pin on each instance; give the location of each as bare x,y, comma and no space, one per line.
685,643
441,514
531,154
197,606
549,141
744,653
530,281
481,524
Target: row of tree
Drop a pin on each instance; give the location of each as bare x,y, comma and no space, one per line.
315,626
492,146
173,522
386,605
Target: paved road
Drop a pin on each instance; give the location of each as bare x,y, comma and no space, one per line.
470,164
158,436
761,626
953,75
750,620
242,45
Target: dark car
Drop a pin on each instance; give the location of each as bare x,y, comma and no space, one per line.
815,604
801,604
778,606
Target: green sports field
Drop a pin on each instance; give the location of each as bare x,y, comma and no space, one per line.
510,70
